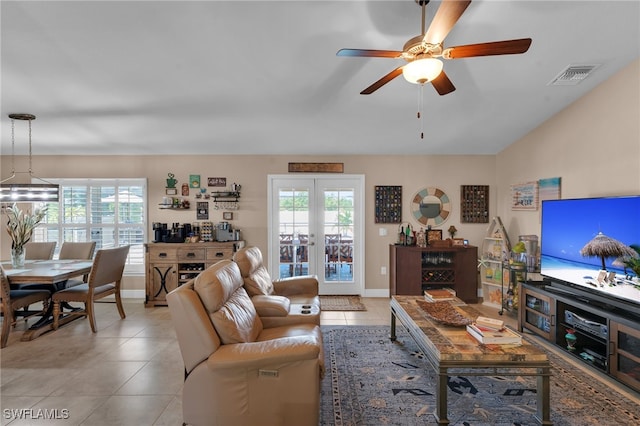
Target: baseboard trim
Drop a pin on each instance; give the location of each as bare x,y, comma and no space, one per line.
377,292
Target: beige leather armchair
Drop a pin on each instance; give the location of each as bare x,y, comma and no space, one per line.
238,372
278,302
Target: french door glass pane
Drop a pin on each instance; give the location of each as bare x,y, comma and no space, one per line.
294,232
338,234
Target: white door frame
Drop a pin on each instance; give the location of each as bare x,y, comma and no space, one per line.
358,229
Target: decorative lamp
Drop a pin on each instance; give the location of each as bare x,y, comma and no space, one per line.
422,71
26,192
452,231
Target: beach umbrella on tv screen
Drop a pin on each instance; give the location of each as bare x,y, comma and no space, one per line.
602,246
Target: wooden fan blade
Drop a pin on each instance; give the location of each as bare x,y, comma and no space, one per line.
384,80
369,53
506,47
445,18
442,84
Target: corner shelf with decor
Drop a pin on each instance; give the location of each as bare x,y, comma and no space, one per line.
495,253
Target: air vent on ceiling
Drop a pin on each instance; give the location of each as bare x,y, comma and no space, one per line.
572,75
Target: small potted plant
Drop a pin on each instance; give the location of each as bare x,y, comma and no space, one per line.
518,256
20,228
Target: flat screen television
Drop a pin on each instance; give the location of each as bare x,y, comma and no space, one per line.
568,225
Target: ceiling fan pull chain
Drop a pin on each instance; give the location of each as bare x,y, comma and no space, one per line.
420,109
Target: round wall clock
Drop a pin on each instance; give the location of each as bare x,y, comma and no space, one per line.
431,206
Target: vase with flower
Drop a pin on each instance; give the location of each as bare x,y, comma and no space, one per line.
20,228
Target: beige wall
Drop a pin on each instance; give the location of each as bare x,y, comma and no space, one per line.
594,146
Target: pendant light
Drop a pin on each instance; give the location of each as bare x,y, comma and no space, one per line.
26,192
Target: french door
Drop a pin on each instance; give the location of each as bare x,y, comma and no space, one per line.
315,227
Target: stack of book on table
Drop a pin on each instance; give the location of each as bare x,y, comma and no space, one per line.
493,332
439,294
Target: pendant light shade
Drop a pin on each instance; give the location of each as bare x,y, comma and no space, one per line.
26,192
422,71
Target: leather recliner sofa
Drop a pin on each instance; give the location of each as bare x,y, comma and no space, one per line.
278,302
237,371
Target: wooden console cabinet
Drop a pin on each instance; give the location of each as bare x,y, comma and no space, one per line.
171,265
607,336
414,269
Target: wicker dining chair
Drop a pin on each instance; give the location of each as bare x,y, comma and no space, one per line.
104,280
13,300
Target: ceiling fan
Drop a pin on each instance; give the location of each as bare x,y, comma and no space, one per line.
422,52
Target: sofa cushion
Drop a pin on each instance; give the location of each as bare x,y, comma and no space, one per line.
256,277
227,303
237,320
217,283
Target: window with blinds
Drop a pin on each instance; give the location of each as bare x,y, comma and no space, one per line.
111,212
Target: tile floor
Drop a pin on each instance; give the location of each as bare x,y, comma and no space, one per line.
129,373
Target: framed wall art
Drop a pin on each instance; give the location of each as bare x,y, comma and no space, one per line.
203,210
433,235
388,204
316,168
524,196
474,203
194,181
217,181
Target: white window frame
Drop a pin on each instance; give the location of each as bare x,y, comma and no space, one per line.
136,260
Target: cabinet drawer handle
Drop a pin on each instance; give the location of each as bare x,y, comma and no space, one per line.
191,255
162,254
219,254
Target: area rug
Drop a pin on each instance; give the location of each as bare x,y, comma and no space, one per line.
341,303
373,381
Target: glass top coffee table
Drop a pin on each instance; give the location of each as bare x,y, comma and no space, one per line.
452,351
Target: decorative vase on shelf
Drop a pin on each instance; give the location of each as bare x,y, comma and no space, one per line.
17,257
571,339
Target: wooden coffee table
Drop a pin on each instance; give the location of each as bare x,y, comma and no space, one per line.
452,351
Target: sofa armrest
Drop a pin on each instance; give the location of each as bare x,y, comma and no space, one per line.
294,286
271,306
256,355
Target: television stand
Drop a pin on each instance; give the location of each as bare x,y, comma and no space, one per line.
607,334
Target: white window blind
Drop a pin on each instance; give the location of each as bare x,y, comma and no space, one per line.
111,212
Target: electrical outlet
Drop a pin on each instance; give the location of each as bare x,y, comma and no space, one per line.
383,270
382,232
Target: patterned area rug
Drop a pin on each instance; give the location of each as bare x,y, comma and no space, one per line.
341,303
373,381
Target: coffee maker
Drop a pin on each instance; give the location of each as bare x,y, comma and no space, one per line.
160,232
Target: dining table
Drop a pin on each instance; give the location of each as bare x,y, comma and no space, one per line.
46,272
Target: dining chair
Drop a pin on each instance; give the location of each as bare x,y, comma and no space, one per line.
104,280
35,251
39,251
332,251
13,300
303,252
286,251
77,250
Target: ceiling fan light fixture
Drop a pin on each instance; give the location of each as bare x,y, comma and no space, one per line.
422,71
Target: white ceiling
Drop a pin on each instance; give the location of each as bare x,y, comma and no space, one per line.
238,77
